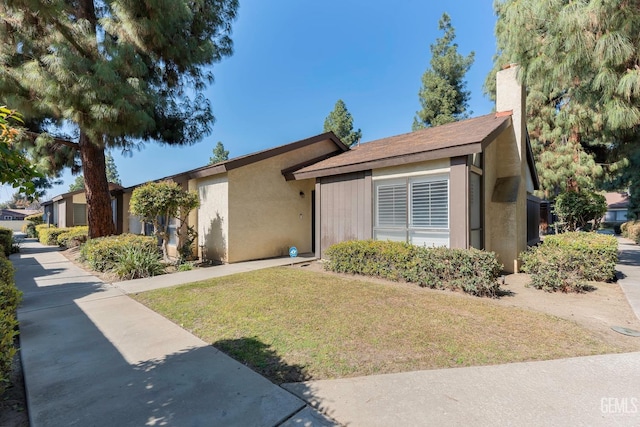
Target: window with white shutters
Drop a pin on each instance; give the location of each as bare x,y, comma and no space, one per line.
392,205
414,210
430,204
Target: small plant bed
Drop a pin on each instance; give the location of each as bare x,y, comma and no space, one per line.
473,271
127,256
567,262
291,324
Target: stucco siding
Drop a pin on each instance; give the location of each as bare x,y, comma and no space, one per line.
413,169
345,208
267,214
213,218
506,222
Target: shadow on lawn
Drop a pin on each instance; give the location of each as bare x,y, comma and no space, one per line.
263,359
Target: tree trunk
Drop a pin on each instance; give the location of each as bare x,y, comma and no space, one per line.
100,216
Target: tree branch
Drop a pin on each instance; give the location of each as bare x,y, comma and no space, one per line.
65,142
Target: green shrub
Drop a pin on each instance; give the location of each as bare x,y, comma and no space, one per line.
9,300
102,254
576,209
74,236
32,221
471,270
49,235
134,262
185,266
631,230
6,241
565,262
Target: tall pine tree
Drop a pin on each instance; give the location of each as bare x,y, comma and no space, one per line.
579,60
118,73
340,122
443,96
219,154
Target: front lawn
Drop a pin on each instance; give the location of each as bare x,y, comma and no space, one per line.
290,325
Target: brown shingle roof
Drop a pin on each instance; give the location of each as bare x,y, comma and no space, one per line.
453,139
617,200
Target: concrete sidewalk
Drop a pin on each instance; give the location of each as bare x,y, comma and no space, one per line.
167,280
94,357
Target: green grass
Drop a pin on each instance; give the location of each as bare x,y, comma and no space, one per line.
293,325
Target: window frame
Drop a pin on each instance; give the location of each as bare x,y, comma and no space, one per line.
409,230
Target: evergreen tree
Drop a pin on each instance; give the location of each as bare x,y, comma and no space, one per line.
119,73
579,63
111,171
78,184
219,154
443,96
340,122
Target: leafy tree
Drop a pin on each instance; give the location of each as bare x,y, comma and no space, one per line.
340,122
78,184
219,154
576,209
15,167
579,62
443,96
116,74
158,202
111,170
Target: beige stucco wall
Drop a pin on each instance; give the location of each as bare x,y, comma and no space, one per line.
505,223
212,217
267,214
130,223
79,198
508,221
413,169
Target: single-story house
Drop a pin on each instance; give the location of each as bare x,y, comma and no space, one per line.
464,184
248,210
70,209
617,207
7,214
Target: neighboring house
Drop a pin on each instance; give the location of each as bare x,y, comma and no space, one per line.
617,207
248,210
70,209
16,214
464,184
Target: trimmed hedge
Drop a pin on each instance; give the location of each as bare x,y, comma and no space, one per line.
48,235
74,236
6,240
471,270
631,230
102,254
565,262
9,300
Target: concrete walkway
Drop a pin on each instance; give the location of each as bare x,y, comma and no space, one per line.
92,356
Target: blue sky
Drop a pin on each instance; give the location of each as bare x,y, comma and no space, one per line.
294,59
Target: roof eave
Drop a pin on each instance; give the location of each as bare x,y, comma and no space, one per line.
442,153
